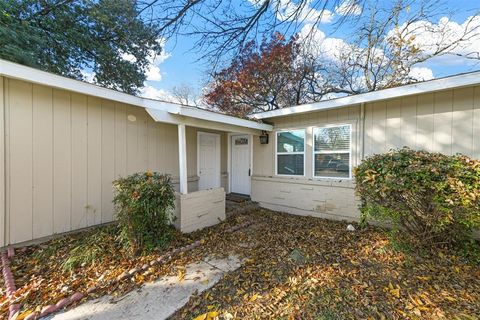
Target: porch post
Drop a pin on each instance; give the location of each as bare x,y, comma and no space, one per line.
182,158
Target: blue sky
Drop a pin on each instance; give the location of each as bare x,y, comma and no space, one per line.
180,66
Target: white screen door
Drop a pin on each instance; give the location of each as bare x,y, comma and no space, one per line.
208,160
240,180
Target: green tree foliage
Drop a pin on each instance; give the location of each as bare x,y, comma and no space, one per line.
66,37
143,205
432,197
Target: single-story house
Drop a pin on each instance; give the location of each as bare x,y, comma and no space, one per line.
63,142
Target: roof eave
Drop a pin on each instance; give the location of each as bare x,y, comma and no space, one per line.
29,74
457,81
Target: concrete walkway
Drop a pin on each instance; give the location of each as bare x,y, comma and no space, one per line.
157,300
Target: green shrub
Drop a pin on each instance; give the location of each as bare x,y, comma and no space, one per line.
432,197
143,205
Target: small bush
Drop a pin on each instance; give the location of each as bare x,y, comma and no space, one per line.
432,197
143,205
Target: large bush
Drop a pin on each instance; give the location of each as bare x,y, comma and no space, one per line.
143,205
432,197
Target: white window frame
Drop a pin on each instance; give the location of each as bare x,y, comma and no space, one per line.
333,151
290,153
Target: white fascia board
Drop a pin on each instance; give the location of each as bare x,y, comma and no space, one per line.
164,116
206,122
161,105
20,72
462,80
218,117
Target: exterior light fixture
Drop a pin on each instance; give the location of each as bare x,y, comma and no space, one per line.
264,138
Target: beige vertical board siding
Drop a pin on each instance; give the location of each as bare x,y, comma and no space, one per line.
133,137
131,131
42,161
142,159
343,114
120,140
170,149
161,152
94,138
409,121
62,152
2,163
446,121
425,128
368,142
393,124
20,118
442,122
264,156
79,161
354,112
152,144
108,159
353,115
462,121
332,116
62,161
379,114
476,123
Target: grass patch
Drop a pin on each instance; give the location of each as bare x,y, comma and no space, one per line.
92,248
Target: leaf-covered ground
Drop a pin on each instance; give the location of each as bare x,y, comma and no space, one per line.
343,275
295,268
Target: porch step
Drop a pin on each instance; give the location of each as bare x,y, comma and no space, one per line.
237,197
233,208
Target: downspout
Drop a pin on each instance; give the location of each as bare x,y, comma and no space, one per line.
362,131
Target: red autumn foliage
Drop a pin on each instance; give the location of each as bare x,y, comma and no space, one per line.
261,78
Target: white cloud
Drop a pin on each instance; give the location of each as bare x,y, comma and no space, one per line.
319,45
421,73
151,92
290,11
348,7
128,57
88,76
287,11
153,72
431,37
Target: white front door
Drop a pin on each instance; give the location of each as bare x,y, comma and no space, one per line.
208,160
240,167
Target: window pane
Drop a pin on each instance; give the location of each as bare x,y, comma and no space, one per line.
290,141
335,165
332,138
241,141
291,164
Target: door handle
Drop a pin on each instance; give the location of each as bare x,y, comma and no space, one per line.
249,172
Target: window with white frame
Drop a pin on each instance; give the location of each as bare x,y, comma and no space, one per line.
290,152
331,152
